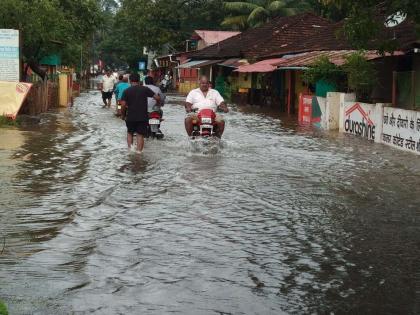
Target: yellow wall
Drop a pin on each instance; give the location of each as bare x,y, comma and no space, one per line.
64,97
186,87
244,80
240,81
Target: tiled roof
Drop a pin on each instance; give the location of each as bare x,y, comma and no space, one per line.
233,62
267,65
291,36
213,37
290,28
296,34
329,38
337,57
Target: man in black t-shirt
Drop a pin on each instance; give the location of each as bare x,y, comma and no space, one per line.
134,110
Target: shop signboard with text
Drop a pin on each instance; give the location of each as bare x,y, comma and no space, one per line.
401,129
9,55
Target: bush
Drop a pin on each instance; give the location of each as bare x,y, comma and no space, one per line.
361,74
3,309
5,121
323,70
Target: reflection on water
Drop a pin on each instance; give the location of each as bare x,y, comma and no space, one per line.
282,219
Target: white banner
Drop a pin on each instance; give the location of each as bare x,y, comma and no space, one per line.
9,55
401,129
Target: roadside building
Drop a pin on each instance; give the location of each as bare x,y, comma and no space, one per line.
185,72
279,52
255,80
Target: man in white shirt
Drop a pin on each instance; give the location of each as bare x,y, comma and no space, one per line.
108,82
201,98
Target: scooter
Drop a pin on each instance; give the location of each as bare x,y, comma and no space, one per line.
153,130
164,85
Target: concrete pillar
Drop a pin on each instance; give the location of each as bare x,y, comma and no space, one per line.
344,97
379,114
62,90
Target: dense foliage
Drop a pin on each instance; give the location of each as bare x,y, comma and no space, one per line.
323,70
3,309
361,74
51,26
253,13
117,30
357,72
364,19
158,25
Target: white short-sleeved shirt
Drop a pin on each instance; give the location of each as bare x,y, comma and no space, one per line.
151,102
108,83
199,101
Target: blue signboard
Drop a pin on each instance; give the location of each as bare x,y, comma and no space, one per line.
142,65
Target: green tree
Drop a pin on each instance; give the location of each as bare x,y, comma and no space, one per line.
50,26
365,19
323,70
253,13
153,24
361,74
3,308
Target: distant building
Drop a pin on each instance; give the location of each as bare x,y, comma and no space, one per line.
201,39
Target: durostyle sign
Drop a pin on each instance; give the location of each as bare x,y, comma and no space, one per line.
401,129
360,120
9,55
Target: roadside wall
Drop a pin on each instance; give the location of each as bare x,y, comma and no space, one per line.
41,97
381,123
361,119
401,129
65,84
332,111
324,111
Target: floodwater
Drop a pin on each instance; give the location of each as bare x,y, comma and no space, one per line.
282,220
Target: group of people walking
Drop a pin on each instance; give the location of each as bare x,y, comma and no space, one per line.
137,100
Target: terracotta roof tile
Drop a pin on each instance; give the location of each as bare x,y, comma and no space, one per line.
242,44
296,34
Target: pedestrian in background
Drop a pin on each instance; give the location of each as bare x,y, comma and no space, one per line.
120,87
108,82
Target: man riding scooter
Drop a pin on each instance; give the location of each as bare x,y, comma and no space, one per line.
152,105
204,98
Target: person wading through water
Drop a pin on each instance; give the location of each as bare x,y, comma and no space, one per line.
134,110
108,82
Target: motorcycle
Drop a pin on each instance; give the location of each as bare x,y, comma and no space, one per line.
205,126
153,130
164,85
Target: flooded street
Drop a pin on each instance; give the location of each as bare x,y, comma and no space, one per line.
282,220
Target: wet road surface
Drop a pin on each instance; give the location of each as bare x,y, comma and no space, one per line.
282,220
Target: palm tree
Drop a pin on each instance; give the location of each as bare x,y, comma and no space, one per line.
253,13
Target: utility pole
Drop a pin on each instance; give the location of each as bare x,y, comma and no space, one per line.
81,60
